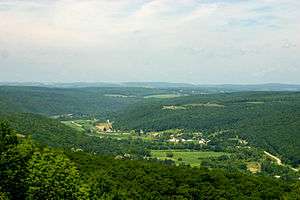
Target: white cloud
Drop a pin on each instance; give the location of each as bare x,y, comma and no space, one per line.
121,36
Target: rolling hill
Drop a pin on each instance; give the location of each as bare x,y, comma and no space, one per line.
58,101
270,120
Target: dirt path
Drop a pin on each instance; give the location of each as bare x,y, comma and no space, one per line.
76,124
278,161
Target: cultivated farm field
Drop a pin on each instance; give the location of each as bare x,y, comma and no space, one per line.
192,158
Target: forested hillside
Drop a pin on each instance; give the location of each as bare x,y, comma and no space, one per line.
265,119
233,128
40,128
269,120
29,171
52,132
82,101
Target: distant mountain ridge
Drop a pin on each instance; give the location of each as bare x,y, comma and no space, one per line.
217,87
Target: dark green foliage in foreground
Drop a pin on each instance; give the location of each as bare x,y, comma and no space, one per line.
52,176
32,172
266,119
125,179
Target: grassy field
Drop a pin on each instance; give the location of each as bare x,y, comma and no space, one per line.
80,125
86,125
204,105
118,95
188,157
164,96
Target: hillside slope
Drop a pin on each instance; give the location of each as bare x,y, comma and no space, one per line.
265,119
58,101
29,171
42,129
52,132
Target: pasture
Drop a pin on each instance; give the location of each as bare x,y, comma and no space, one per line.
192,158
164,96
80,125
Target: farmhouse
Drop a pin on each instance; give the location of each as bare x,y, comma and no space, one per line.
104,127
174,140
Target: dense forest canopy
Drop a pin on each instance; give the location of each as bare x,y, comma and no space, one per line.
55,134
149,100
55,101
269,120
29,171
37,136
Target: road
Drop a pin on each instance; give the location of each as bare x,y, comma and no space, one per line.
278,161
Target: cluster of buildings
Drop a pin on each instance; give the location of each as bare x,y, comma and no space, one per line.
104,127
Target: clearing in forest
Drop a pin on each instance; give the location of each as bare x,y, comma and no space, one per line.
254,167
164,96
192,158
173,108
205,105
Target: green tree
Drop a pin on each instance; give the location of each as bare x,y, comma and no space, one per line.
3,195
169,155
295,193
53,176
7,137
13,158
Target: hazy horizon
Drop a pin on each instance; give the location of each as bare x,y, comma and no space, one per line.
177,41
138,82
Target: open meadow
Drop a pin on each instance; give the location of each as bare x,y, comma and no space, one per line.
192,158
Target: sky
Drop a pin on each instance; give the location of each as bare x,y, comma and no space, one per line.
192,41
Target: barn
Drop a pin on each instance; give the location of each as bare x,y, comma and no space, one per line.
104,127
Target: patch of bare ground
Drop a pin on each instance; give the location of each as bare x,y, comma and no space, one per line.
255,102
205,105
173,108
254,167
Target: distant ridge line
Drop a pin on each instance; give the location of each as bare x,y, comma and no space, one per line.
230,87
